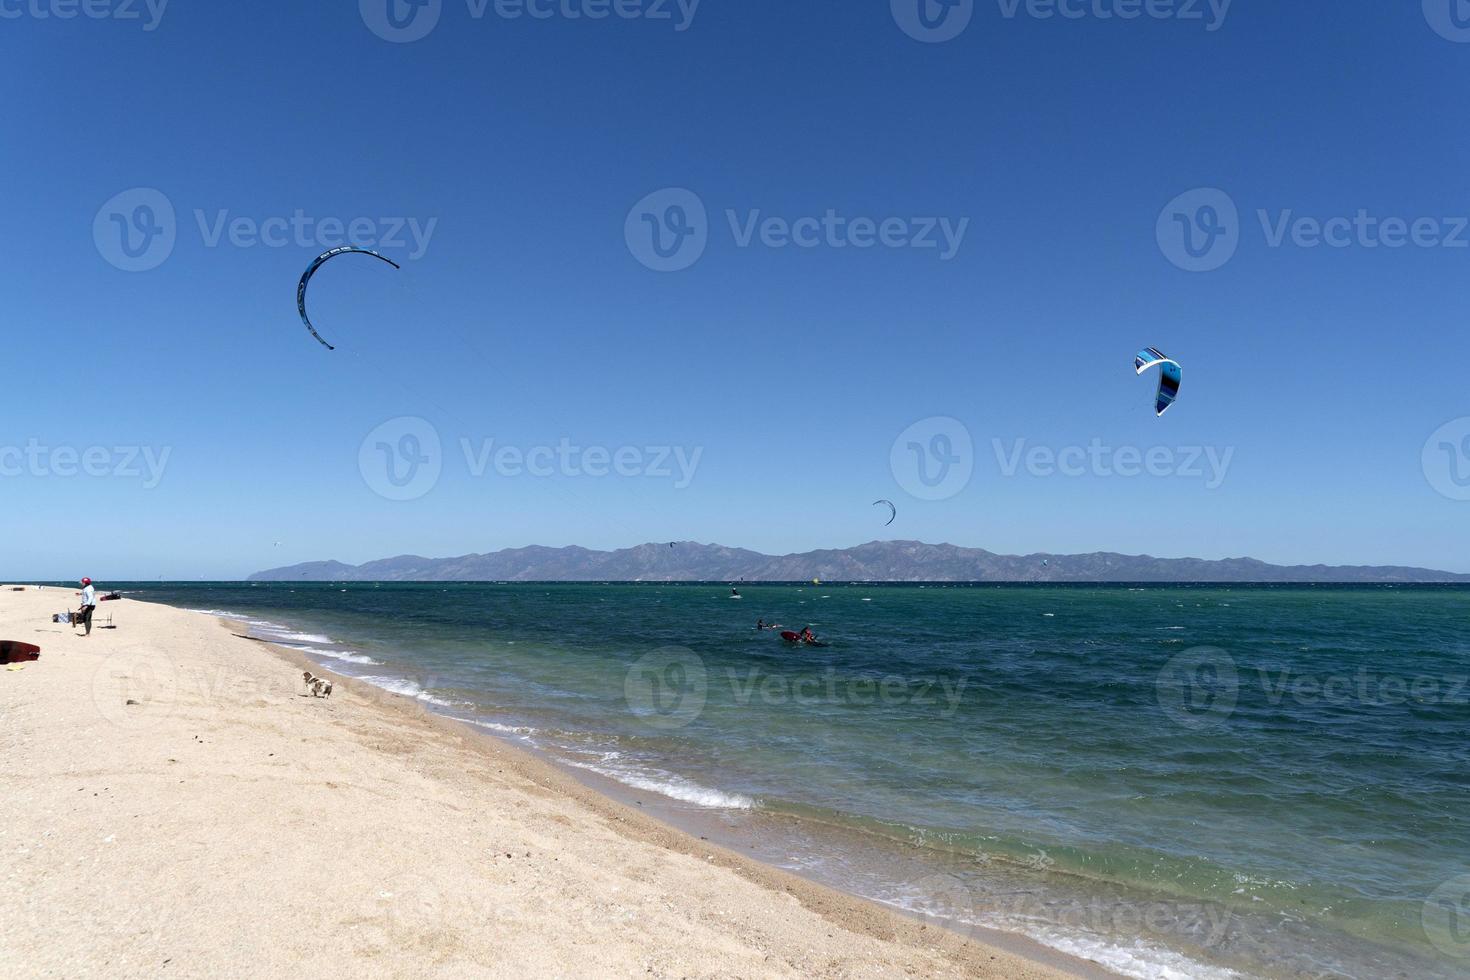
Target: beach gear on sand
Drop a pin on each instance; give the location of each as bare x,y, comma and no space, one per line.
14,651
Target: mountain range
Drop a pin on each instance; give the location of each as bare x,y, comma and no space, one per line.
877,561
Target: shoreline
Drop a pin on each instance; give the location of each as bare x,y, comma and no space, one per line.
608,858
616,801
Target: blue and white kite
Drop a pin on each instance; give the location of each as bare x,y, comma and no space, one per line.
1170,374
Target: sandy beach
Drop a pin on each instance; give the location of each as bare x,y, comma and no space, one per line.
176,807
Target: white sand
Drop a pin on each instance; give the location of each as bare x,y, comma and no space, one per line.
226,826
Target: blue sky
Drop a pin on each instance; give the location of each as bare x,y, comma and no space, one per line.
530,153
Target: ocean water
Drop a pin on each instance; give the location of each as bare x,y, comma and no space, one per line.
1174,781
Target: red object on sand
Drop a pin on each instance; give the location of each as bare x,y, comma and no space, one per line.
14,652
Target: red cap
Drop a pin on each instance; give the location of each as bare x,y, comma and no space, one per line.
86,581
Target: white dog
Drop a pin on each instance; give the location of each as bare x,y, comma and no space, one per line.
317,687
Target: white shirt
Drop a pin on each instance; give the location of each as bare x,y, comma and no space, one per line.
89,596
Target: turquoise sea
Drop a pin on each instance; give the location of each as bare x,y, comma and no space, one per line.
1175,781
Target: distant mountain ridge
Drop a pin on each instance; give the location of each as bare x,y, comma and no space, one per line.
877,561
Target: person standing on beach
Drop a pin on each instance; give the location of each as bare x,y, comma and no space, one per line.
89,603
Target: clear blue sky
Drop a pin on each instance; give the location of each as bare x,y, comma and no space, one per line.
528,318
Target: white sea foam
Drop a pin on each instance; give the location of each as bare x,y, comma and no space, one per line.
347,656
499,728
670,785
301,637
1145,960
407,688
